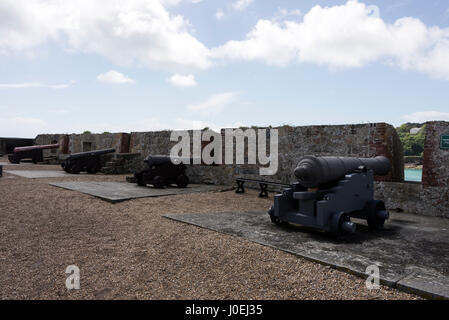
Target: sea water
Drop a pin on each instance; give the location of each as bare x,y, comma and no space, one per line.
412,174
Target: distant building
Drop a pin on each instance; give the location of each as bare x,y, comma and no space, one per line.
415,130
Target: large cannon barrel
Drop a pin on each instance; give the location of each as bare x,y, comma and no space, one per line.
40,147
89,153
161,159
156,159
314,171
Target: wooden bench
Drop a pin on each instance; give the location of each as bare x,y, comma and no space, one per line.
262,184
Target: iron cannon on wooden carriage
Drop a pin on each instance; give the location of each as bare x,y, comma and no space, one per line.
162,171
90,162
33,153
330,191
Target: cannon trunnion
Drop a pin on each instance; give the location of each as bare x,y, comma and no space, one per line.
330,191
89,162
161,171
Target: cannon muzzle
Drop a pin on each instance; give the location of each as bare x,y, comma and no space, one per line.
315,171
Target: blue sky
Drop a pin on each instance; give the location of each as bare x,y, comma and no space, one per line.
70,66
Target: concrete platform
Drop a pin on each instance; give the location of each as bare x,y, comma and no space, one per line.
117,191
8,164
35,174
412,252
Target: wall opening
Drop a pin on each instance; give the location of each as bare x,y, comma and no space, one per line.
413,136
87,146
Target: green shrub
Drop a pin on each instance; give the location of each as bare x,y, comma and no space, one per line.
413,143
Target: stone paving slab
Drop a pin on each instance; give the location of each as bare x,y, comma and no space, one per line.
35,174
412,252
118,191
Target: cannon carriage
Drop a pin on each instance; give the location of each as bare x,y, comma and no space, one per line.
162,171
90,162
33,153
330,191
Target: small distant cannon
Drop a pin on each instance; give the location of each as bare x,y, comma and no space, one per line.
161,171
34,153
89,162
331,190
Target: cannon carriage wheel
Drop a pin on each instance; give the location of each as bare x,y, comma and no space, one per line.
341,224
92,170
376,214
72,168
275,219
182,181
139,179
159,182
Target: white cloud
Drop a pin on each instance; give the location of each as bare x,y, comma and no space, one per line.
283,13
143,32
114,77
34,85
182,81
176,2
136,31
241,5
20,85
219,14
424,116
170,2
215,103
345,36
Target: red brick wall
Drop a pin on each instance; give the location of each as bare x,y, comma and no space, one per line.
125,140
385,142
64,142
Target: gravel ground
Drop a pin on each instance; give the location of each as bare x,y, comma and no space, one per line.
129,251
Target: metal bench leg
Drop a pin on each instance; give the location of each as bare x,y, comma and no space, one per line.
263,190
240,188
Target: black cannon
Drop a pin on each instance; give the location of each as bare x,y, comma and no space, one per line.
331,190
34,153
161,171
89,162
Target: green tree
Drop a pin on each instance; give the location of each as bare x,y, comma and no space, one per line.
413,143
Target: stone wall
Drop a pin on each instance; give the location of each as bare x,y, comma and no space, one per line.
75,143
89,141
154,142
43,139
414,198
361,140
